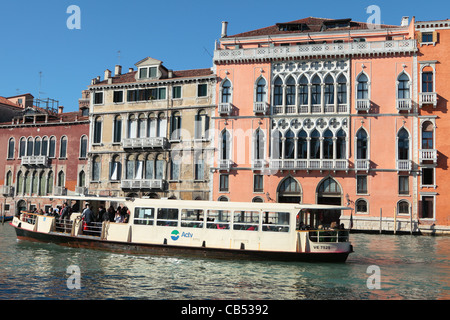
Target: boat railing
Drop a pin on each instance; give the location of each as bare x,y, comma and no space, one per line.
63,225
28,217
329,235
92,229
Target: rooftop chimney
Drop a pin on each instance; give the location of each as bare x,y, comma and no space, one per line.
107,74
224,29
130,69
117,70
60,109
405,21
170,73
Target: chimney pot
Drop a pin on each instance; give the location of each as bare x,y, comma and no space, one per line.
130,69
118,70
107,74
60,109
405,21
224,29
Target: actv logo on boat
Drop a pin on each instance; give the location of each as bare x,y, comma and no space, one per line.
175,235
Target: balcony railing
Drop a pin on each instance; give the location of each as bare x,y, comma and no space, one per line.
428,98
362,104
142,184
225,108
260,107
427,155
81,190
362,164
7,190
404,104
404,165
315,108
312,50
147,142
225,164
308,164
60,191
258,164
34,161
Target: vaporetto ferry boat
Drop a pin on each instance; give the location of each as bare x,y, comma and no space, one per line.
235,230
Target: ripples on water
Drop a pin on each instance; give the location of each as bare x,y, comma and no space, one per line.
412,267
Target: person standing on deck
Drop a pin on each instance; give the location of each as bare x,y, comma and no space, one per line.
88,215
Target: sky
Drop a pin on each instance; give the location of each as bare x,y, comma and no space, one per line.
41,55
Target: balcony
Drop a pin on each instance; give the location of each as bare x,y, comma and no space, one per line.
147,142
225,108
306,109
427,98
142,184
260,107
225,164
7,190
81,190
60,191
258,164
313,50
362,165
309,164
427,155
35,161
404,104
362,105
403,165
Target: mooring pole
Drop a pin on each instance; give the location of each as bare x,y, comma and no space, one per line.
395,221
381,219
410,220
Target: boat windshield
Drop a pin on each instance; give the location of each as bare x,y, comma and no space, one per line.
315,219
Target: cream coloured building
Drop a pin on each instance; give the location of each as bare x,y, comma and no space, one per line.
151,132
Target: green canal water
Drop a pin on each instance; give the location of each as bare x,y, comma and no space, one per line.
406,268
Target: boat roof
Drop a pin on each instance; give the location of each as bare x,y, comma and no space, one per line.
212,204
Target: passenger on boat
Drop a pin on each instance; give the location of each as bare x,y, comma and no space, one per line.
125,214
109,214
101,213
117,217
88,215
65,212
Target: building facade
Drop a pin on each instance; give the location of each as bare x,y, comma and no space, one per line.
150,132
433,73
46,154
323,111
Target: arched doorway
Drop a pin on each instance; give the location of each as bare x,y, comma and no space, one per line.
289,191
329,192
21,206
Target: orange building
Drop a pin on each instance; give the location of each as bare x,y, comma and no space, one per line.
433,74
327,111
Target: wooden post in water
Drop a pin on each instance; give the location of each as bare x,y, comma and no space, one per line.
381,220
410,220
395,221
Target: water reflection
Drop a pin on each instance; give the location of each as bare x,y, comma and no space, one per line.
411,267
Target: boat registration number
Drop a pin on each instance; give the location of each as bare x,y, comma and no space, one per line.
322,247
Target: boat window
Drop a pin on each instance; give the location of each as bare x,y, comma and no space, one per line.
218,219
167,217
275,221
192,218
246,220
144,216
